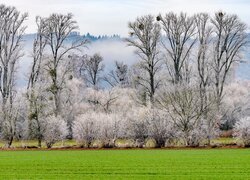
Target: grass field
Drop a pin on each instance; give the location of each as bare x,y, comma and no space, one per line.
126,164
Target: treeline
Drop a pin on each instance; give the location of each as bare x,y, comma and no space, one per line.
181,91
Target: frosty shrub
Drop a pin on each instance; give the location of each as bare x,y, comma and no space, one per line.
112,128
137,124
161,128
196,136
97,126
85,129
55,130
242,130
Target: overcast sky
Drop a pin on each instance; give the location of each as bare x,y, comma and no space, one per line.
111,16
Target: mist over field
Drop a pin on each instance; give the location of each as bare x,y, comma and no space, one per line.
112,49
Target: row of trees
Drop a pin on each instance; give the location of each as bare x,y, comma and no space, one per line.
174,93
186,62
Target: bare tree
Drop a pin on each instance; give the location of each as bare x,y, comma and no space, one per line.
11,34
182,104
179,31
229,40
91,69
161,128
38,52
58,29
204,70
204,30
145,38
34,88
119,76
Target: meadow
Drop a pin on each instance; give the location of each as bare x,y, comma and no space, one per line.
126,164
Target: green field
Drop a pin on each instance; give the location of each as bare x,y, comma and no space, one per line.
124,164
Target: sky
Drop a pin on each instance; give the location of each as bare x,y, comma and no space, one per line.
112,16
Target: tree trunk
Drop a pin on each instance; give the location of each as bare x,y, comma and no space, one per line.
9,143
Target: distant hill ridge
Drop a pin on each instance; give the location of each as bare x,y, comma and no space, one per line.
88,36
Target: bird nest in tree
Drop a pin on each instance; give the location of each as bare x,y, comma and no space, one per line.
131,34
221,14
158,18
141,26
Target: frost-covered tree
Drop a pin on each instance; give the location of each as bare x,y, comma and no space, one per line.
137,124
203,71
242,130
145,37
182,104
161,128
11,128
11,36
91,69
229,40
36,83
58,29
203,64
180,39
119,76
235,104
72,102
101,100
100,126
55,129
112,127
86,128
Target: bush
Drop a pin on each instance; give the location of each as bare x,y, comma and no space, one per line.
85,129
98,126
55,130
242,130
97,144
137,124
195,136
124,143
160,128
150,143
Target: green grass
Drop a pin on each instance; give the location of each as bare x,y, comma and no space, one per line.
126,164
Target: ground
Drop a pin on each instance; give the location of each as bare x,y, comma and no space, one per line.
126,164
72,143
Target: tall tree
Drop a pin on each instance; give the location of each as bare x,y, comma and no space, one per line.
145,38
58,28
11,37
35,83
179,31
204,32
204,71
230,38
